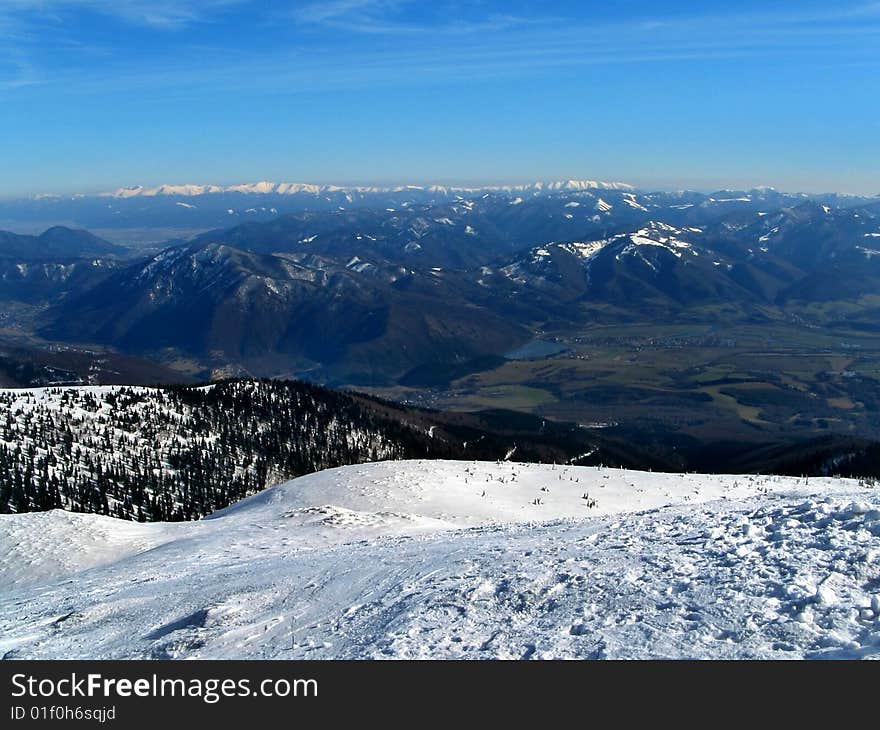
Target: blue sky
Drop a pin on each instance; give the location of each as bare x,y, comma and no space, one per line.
95,94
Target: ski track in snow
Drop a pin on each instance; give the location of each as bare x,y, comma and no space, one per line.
468,560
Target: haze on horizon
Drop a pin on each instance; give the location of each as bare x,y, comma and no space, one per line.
98,95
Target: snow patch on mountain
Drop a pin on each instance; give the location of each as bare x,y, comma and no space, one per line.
631,201
657,234
585,250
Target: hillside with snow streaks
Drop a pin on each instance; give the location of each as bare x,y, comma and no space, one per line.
472,560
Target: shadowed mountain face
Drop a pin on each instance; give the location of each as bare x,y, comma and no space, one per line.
209,298
35,268
58,242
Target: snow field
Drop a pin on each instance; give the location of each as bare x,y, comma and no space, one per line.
426,559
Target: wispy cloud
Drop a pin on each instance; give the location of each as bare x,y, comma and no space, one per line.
310,61
17,72
408,17
411,16
323,12
167,14
34,34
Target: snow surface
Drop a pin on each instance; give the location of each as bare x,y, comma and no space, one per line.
443,559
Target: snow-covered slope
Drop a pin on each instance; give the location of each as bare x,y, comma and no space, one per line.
461,559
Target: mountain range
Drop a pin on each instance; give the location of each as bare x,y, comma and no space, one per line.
376,293
209,206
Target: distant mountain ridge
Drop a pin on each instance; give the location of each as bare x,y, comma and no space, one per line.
265,187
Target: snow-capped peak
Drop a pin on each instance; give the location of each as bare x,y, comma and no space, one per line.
266,187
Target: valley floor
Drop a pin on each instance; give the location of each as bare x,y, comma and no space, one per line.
469,560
